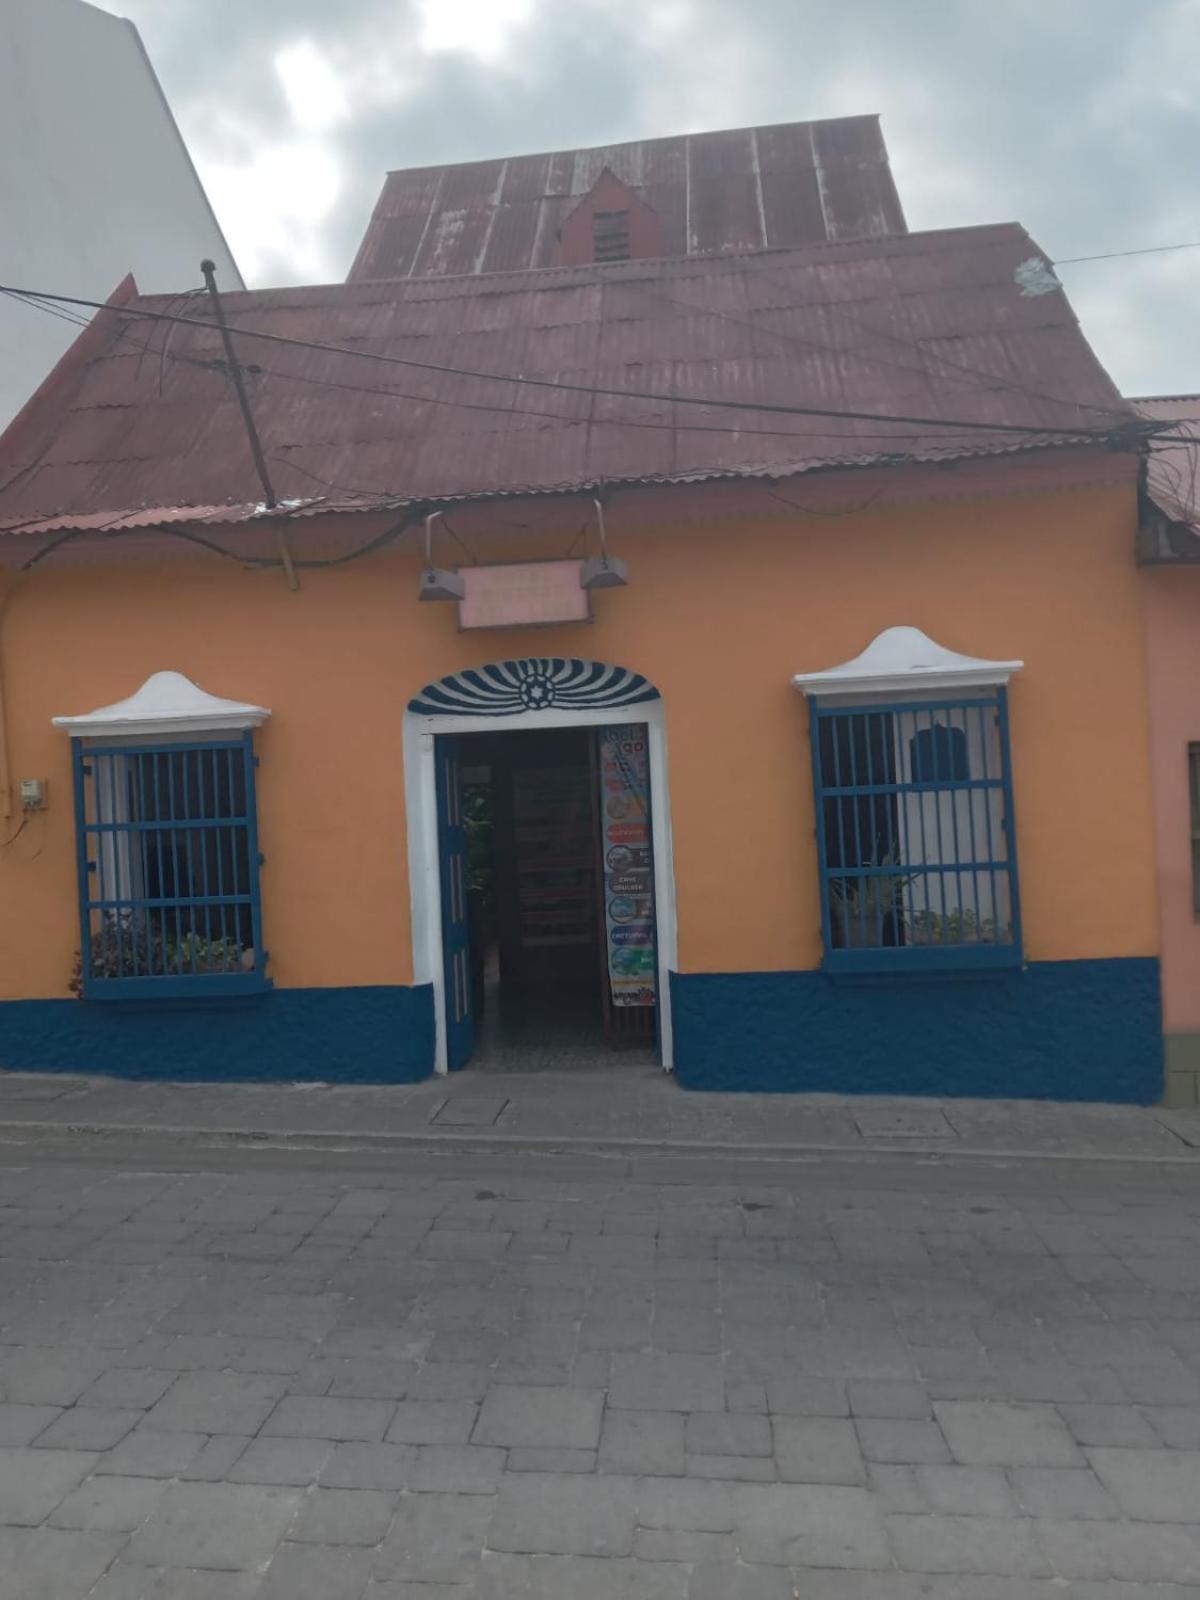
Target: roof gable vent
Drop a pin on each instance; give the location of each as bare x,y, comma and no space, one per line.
610,236
610,223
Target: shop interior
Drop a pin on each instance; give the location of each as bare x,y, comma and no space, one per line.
560,897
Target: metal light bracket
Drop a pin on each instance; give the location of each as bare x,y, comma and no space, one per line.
603,571
438,583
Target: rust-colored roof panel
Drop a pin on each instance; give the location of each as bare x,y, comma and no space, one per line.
504,250
858,192
543,238
792,206
396,243
524,179
726,215
923,325
417,195
737,189
664,187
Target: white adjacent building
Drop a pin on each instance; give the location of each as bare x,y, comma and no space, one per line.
95,179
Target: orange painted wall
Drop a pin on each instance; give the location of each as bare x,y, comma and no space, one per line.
718,616
1171,597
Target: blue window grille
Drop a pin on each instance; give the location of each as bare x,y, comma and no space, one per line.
915,834
168,865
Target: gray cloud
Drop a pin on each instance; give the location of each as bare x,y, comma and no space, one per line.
1080,118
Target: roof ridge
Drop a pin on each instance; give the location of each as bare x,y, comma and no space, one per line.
617,144
696,265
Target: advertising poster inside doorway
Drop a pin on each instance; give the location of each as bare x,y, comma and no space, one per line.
628,864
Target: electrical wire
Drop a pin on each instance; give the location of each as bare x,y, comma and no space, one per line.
37,301
310,563
174,531
55,311
992,380
821,511
591,421
16,834
595,421
258,368
856,435
459,540
391,393
1116,255
64,537
145,347
959,424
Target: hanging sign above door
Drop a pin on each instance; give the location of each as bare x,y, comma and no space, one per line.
522,594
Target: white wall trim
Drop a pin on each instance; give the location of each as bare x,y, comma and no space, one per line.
903,660
420,798
166,703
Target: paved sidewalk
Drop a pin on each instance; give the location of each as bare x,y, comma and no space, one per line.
618,1110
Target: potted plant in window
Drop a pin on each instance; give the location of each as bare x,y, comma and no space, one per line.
125,945
194,953
959,926
866,908
926,927
128,947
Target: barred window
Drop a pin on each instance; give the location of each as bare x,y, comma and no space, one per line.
167,840
914,826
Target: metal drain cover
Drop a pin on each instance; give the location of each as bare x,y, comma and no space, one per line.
881,1123
470,1111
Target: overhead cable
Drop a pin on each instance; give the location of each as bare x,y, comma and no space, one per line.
563,386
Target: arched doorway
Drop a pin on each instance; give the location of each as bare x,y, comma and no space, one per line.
587,703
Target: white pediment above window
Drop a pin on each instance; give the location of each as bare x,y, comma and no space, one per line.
166,703
901,660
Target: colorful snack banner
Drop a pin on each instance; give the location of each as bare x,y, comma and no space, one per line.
628,864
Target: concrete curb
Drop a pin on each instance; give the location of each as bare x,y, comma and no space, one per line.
492,1143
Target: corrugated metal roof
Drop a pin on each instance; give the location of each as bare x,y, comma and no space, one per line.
1173,471
934,325
738,189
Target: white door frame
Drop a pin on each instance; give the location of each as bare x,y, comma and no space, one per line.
420,797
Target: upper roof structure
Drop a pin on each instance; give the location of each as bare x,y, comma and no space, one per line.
649,371
727,192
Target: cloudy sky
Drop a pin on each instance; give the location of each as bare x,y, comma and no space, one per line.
1080,118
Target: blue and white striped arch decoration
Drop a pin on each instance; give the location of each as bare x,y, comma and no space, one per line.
535,683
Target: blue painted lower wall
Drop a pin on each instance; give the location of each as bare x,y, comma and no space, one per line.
373,1034
1055,1030
1063,1030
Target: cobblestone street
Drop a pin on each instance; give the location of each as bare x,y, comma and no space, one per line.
445,1377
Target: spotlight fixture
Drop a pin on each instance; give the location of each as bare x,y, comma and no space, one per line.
438,583
603,571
